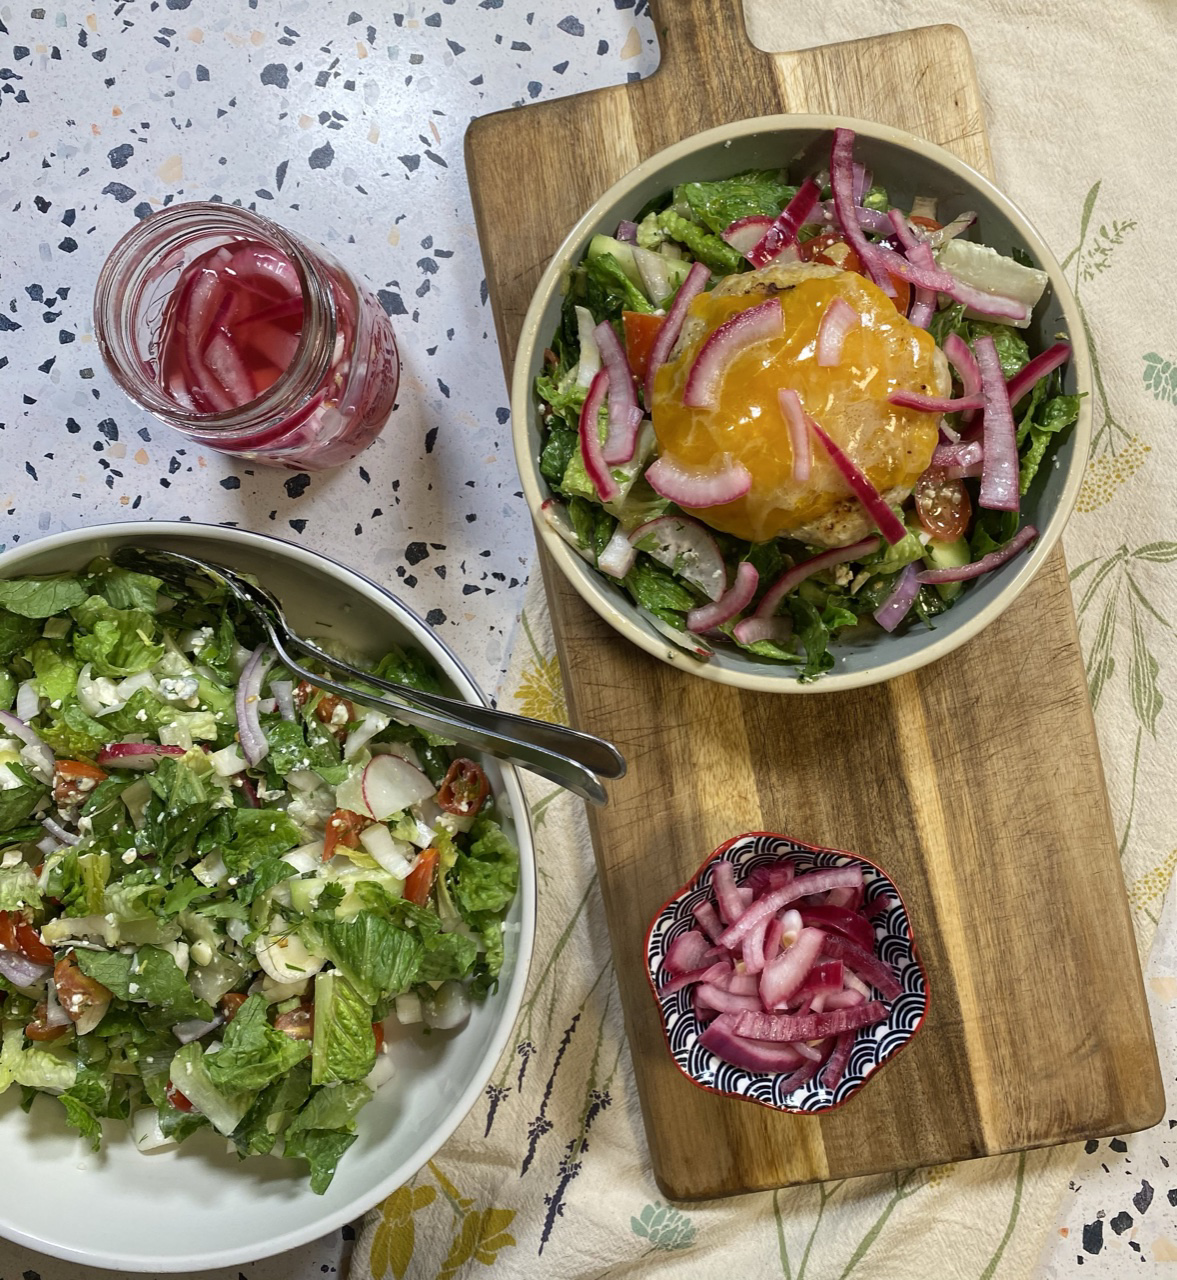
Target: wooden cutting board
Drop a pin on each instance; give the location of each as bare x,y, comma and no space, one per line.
976,782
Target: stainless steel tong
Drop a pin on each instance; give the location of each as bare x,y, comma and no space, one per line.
565,756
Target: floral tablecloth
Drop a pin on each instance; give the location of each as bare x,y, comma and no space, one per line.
346,124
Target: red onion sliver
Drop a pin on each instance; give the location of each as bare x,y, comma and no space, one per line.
798,425
898,603
743,984
753,948
745,329
58,832
686,952
690,487
807,568
788,1028
922,274
691,287
866,964
627,232
773,875
1047,362
590,438
923,308
624,415
934,404
999,474
254,744
842,182
836,322
782,233
835,1067
751,1055
708,919
23,972
18,728
964,363
992,306
711,973
986,564
713,997
957,455
137,755
798,887
749,631
889,525
772,940
855,984
824,978
732,602
283,690
840,920
731,904
851,998
788,971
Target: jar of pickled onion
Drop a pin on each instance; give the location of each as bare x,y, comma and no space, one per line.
246,339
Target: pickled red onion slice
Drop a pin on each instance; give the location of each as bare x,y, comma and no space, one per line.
986,564
590,439
999,467
745,329
798,425
691,287
807,568
732,602
836,322
624,415
692,487
889,524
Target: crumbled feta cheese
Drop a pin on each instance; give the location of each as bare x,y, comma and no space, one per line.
129,856
132,987
141,714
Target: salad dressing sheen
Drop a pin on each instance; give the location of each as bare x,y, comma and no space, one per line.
881,354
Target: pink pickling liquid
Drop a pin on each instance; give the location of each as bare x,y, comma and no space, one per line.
231,328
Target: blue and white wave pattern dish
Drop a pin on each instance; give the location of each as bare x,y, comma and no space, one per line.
873,1045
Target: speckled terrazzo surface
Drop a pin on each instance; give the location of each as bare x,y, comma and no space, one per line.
347,128
345,124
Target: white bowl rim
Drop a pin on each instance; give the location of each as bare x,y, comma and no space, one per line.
10,563
584,578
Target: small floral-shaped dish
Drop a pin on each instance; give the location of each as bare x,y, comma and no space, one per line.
872,1046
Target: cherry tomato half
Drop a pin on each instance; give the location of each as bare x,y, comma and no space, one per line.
73,780
231,1001
343,828
39,1028
419,881
178,1100
641,332
942,505
463,789
298,1024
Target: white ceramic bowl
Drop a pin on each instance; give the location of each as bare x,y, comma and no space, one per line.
907,167
193,1207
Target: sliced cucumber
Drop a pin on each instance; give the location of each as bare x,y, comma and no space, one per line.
947,555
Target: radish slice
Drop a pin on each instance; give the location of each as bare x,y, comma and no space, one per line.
836,322
787,973
746,233
798,425
1036,370
898,603
698,488
999,474
624,415
745,329
729,604
390,785
556,517
753,630
691,287
986,564
934,404
782,233
617,555
791,578
135,755
787,1027
590,439
685,546
890,526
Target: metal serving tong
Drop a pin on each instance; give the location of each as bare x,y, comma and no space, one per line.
564,756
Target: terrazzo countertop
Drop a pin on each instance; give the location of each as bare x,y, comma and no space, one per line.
346,126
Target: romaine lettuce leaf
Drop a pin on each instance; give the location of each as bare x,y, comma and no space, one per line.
718,204
273,1111
485,878
54,1070
259,835
253,1054
324,1129
344,1046
18,887
41,597
16,633
189,1073
378,958
116,642
17,803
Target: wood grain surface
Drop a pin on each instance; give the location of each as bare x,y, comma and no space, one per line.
976,782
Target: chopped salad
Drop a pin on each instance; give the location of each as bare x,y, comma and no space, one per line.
216,884
776,411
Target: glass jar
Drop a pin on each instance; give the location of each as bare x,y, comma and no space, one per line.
245,339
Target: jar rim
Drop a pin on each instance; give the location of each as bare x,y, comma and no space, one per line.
128,265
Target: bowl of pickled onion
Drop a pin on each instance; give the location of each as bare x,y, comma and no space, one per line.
785,973
716,435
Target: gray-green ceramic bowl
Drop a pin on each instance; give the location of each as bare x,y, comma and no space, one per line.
907,167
